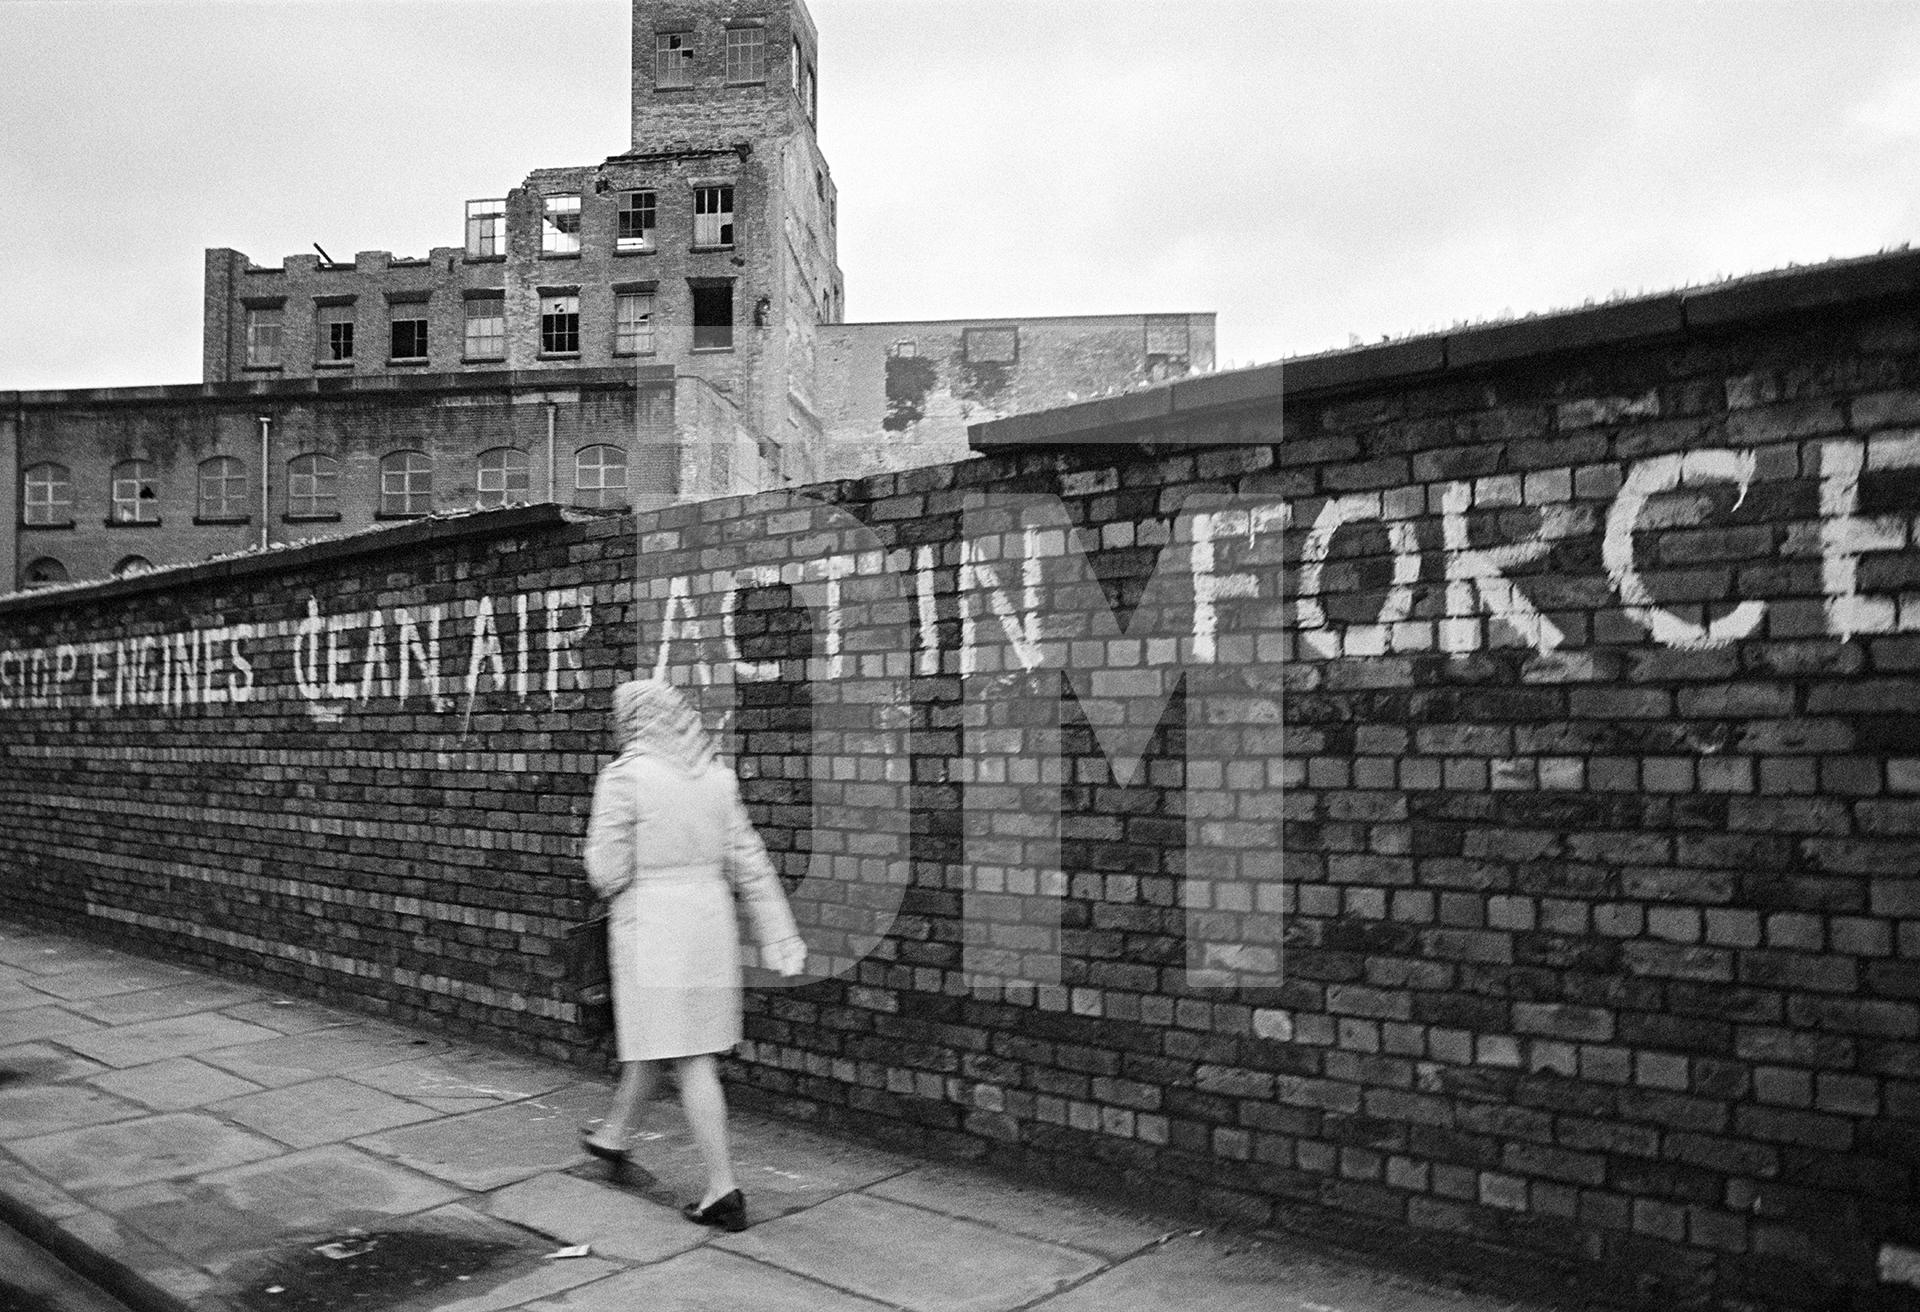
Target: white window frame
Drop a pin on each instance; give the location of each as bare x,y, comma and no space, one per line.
557,307
133,493
746,56
673,54
633,323
593,479
266,332
560,224
486,229
503,472
496,341
406,485
326,341
631,203
713,225
227,477
313,486
43,499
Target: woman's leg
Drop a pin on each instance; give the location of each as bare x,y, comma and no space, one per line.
706,1108
637,1079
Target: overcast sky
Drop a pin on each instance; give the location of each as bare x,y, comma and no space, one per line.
1316,171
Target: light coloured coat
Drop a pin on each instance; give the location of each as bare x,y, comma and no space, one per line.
672,849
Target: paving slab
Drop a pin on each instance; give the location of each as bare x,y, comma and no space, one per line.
231,1216
156,1003
42,1063
1025,1210
171,1146
48,954
118,1245
281,1059
174,1084
486,1150
124,975
613,1221
41,1197
15,995
912,1258
464,1080
24,1024
708,1280
174,1036
449,1258
290,1016
1209,1273
28,1111
781,1168
321,1111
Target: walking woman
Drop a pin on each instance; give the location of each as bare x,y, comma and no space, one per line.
671,845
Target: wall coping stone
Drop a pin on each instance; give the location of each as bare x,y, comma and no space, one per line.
1645,318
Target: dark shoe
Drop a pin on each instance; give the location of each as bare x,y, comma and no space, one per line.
729,1212
617,1159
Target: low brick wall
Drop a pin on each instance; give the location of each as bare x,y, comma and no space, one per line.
1486,818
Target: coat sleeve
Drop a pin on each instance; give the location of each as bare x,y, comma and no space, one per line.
609,851
753,877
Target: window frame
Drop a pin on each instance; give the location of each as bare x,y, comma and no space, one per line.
407,312
673,53
630,203
492,236
401,502
28,502
327,339
266,336
467,320
751,68
703,339
601,488
126,567
713,215
28,582
506,469
630,339
144,497
323,487
230,508
560,224
552,333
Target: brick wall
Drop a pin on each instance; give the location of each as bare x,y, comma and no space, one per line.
1486,819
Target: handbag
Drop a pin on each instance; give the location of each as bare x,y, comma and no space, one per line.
588,973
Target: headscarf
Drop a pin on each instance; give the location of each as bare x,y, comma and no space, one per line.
654,719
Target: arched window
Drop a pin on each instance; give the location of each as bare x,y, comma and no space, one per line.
130,565
223,488
135,499
600,476
406,483
44,571
49,495
313,487
504,478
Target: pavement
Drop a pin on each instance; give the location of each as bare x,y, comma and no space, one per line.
186,1141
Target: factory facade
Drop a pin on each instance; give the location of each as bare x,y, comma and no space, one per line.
666,325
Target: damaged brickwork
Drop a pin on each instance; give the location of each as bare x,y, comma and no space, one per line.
1566,676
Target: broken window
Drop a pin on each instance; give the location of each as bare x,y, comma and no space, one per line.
49,495
406,484
713,317
313,487
673,59
560,226
746,54
559,325
991,345
223,488
333,334
486,337
633,323
44,572
600,476
713,216
486,229
128,566
409,330
504,479
263,337
635,233
135,500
